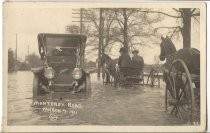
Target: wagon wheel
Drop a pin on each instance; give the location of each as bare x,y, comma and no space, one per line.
153,78
179,99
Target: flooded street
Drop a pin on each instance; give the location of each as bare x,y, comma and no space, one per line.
138,105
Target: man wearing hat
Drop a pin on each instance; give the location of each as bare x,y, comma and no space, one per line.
124,59
137,61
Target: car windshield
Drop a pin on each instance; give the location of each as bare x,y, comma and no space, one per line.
62,46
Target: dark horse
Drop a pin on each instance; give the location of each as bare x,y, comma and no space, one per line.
110,64
190,56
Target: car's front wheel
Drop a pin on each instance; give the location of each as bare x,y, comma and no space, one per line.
36,86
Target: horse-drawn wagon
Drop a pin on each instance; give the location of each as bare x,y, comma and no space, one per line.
129,76
181,95
120,76
182,77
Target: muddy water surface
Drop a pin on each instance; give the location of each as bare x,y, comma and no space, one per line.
138,105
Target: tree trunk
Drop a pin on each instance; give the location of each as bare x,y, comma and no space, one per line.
125,32
100,42
186,29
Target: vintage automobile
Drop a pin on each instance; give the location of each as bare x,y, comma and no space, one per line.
62,71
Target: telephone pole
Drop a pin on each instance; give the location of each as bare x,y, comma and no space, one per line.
81,17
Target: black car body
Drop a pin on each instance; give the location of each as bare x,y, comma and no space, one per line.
62,71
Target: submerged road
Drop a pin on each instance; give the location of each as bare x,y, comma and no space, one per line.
137,105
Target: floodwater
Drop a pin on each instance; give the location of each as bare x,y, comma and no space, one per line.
106,105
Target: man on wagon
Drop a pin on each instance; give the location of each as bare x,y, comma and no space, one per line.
124,59
137,60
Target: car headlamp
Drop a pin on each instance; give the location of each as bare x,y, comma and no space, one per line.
77,73
49,73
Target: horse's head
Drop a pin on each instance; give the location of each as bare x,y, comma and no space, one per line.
166,48
162,50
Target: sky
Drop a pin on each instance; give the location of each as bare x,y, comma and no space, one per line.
30,20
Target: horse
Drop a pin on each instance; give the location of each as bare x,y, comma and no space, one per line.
110,64
190,56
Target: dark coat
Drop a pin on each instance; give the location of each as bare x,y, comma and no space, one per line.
124,60
137,62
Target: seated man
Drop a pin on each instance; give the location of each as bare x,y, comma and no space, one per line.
124,60
137,61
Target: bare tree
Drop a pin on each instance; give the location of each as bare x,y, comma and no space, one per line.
122,16
134,27
185,15
109,18
100,45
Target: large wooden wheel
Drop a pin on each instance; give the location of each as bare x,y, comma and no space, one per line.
153,78
179,99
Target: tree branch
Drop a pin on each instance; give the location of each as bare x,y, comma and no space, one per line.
175,10
162,13
195,18
93,19
175,27
175,31
193,10
196,14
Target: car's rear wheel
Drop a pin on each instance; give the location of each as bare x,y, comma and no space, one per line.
36,86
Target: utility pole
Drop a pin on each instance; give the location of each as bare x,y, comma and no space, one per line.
81,17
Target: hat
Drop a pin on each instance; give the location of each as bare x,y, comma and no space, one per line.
122,49
135,51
